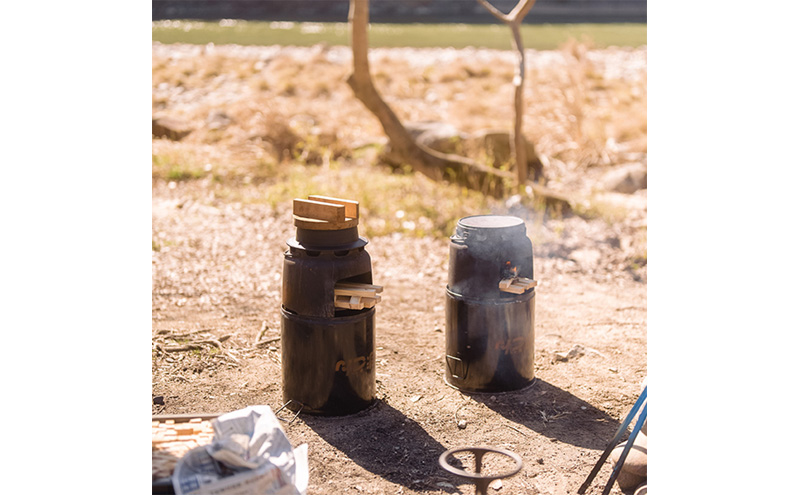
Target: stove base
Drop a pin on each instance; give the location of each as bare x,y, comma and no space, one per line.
328,364
489,344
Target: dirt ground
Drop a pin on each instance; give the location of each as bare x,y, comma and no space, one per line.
217,284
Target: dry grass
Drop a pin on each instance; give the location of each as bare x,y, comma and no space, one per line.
261,115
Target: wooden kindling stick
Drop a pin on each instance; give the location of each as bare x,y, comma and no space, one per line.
517,285
325,213
348,295
319,210
350,206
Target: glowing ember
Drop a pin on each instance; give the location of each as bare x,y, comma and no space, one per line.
510,270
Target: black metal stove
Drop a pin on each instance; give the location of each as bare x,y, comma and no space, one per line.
490,305
328,311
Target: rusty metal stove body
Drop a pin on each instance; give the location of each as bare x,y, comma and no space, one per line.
328,311
489,309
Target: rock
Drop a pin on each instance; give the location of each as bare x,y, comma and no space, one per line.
496,144
496,484
173,129
636,462
634,470
514,201
626,179
217,120
158,400
492,143
615,203
587,258
439,136
626,480
576,351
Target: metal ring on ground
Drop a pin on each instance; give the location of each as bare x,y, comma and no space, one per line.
481,481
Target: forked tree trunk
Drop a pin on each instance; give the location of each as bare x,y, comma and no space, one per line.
433,164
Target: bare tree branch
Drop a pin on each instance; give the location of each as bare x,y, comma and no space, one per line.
495,12
521,10
359,39
514,20
519,88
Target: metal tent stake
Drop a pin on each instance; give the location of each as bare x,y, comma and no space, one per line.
613,443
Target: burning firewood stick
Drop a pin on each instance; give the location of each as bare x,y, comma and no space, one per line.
516,285
528,282
514,289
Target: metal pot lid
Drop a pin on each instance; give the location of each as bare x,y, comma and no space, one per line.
484,227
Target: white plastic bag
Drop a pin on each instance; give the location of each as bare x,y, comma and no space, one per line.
250,455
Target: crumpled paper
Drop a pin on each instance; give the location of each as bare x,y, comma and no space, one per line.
249,455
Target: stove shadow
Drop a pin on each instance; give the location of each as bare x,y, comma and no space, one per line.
553,413
385,442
